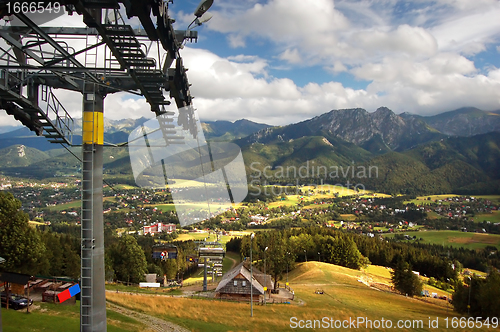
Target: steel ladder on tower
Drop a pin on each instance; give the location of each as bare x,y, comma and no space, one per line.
87,231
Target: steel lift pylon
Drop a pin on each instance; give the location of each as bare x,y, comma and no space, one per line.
35,60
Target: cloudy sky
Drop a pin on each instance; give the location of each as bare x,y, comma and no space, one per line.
283,61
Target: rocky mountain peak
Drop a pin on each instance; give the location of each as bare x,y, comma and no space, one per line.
356,125
383,111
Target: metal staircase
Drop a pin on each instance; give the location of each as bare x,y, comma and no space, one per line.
122,41
54,123
142,69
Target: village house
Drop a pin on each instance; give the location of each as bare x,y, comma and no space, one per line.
236,284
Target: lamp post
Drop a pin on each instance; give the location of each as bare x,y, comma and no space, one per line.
251,276
2,260
319,257
201,13
265,276
287,262
468,305
305,255
447,297
203,6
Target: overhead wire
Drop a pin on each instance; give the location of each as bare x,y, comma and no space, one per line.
80,160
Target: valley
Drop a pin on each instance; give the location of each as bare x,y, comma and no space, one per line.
408,154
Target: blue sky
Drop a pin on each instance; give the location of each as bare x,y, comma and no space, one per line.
423,57
283,61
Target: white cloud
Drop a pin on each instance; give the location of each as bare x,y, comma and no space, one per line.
215,77
411,41
425,87
416,62
424,73
309,26
469,32
444,82
337,67
494,75
468,4
236,41
366,13
449,63
354,31
282,19
8,120
291,56
237,87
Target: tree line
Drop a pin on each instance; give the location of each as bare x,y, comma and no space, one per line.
341,248
40,251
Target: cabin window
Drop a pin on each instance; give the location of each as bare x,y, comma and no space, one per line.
244,283
235,283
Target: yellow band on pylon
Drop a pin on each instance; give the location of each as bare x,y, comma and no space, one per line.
93,128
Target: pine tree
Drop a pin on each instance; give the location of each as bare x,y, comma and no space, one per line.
489,295
129,261
404,280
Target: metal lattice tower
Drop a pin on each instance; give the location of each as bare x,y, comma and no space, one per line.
35,60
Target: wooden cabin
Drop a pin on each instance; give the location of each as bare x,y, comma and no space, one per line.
236,285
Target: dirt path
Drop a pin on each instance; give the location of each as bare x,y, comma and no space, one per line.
155,324
233,260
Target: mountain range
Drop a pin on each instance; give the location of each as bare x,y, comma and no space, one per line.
117,131
456,151
383,130
467,121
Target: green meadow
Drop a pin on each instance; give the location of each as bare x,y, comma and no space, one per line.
423,200
75,205
457,239
492,217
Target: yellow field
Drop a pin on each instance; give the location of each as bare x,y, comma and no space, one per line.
348,217
379,273
186,183
343,191
123,186
35,223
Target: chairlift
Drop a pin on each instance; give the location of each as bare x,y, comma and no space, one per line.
168,251
212,253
